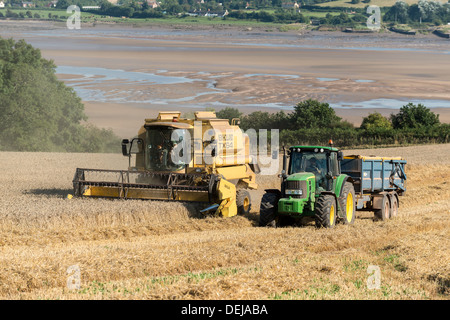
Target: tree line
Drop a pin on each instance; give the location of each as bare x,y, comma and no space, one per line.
313,123
432,11
39,112
425,11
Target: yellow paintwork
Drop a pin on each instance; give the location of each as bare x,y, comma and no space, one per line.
349,207
373,158
332,215
146,194
227,195
232,165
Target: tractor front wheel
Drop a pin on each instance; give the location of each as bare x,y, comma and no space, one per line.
268,210
325,211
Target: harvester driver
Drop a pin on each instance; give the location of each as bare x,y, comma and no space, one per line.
316,168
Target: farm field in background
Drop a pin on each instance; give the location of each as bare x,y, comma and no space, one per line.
348,3
159,250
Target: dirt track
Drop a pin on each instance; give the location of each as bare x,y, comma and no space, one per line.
155,250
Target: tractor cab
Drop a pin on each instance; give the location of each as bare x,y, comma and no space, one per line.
322,162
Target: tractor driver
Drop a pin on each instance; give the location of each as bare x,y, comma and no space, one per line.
313,166
317,169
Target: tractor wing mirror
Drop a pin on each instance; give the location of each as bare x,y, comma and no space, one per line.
340,156
125,151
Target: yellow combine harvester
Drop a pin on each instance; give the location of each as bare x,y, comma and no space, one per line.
204,160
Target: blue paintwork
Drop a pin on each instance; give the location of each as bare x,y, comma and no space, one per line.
376,175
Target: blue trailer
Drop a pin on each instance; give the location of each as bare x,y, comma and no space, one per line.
378,183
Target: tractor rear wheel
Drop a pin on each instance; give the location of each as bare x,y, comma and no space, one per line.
243,201
268,210
325,211
347,203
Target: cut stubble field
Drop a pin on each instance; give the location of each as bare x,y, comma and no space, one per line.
159,250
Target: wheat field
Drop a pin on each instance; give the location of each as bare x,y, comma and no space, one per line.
160,250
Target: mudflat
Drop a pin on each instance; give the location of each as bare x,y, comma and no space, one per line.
250,69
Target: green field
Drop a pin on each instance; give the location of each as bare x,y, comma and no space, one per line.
87,17
347,3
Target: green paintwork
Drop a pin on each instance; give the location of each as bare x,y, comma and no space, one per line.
296,207
338,183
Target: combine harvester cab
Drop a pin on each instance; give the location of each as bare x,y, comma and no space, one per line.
205,160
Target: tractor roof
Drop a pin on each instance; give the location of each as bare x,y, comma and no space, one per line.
315,147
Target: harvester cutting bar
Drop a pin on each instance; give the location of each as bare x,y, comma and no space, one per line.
143,185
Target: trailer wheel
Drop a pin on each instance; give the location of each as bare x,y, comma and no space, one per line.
325,211
347,203
243,201
394,206
268,210
385,211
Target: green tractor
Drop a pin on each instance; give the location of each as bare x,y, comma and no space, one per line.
312,187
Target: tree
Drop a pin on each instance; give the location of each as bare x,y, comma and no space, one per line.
414,116
314,114
429,9
375,120
398,12
256,120
38,112
229,113
62,4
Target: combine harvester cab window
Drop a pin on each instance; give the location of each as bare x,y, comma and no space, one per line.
162,146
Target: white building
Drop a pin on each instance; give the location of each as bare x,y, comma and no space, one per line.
2,5
153,4
290,5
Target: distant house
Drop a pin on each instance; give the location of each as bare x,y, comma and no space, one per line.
2,5
91,7
28,4
194,13
51,4
208,13
290,5
216,14
153,4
